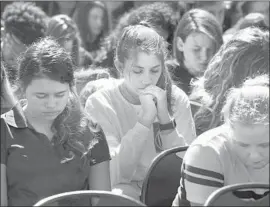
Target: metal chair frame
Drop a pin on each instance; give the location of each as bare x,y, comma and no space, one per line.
231,188
90,193
153,166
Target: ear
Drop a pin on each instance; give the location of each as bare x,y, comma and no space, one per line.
179,44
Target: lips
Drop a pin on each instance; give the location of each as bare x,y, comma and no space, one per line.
51,113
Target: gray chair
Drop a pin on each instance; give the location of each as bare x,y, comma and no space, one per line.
238,194
84,198
162,180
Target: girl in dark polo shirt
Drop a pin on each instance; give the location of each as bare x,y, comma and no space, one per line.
48,144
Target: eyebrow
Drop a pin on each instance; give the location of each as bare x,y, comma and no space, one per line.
264,143
137,66
54,93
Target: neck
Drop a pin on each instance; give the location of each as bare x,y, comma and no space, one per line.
128,94
36,121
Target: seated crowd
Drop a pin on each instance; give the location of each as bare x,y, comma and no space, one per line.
88,106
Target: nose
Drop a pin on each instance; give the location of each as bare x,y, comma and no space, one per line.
147,80
51,103
254,155
99,22
204,56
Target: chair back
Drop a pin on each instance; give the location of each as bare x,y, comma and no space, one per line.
163,178
239,195
84,198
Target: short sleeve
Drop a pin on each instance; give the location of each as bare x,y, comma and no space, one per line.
99,150
201,174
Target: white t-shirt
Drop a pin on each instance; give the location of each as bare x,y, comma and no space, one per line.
131,144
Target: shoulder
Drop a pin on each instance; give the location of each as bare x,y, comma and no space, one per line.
209,145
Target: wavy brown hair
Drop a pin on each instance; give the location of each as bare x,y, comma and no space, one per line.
46,58
245,55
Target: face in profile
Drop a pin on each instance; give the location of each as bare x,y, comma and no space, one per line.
251,144
142,70
198,49
46,98
95,20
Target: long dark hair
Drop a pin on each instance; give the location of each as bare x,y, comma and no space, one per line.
46,58
83,16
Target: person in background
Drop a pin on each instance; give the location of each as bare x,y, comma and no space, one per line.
144,113
198,37
24,23
95,85
7,98
250,20
233,13
235,152
217,8
262,7
62,28
158,14
48,144
244,55
82,77
92,21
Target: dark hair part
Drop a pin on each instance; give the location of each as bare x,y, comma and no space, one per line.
25,21
197,20
46,58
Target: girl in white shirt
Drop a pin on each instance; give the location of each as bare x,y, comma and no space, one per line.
144,113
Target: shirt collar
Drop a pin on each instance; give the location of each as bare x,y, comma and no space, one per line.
15,117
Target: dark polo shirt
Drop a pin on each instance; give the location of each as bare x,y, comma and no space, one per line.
36,168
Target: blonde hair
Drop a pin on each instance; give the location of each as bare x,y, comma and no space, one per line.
246,54
248,105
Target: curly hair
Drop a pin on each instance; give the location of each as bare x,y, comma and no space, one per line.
249,104
46,58
84,76
158,14
245,55
25,21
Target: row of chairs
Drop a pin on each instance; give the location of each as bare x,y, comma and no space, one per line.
160,187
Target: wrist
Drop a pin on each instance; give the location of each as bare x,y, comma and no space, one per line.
164,118
171,125
146,121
